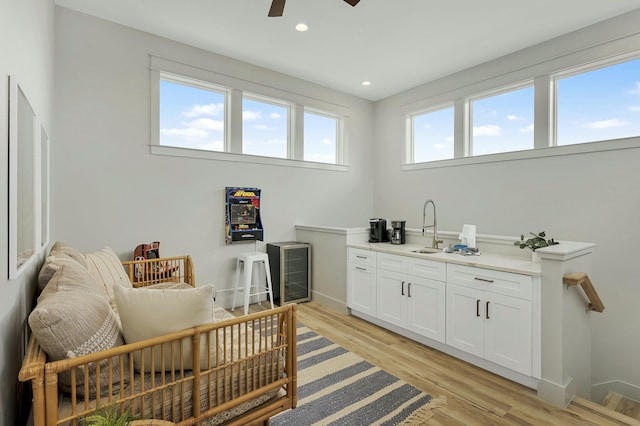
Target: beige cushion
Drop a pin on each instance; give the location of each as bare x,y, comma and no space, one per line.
147,313
60,252
107,269
72,318
61,249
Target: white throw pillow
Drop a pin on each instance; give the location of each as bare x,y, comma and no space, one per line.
148,313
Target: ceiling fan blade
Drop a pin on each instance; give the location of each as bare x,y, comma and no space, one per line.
277,7
352,2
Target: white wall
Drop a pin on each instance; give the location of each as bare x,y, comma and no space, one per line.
107,189
583,197
26,43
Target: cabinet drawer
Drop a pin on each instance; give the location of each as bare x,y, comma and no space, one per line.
362,257
506,283
391,262
427,269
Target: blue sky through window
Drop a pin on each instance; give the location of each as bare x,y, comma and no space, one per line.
433,136
320,133
264,128
191,117
599,105
503,123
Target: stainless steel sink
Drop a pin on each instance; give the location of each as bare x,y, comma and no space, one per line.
427,250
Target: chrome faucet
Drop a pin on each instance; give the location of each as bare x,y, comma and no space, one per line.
435,241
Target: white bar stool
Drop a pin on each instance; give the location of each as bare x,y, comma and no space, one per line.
248,261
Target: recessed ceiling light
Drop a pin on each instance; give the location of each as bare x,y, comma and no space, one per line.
302,27
366,83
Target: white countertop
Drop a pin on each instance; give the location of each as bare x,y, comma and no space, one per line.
484,260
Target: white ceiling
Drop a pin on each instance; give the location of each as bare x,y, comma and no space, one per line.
396,44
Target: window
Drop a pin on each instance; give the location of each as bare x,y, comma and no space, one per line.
191,114
264,128
503,122
600,104
320,137
199,113
432,136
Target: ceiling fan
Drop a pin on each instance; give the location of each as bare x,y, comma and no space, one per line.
277,6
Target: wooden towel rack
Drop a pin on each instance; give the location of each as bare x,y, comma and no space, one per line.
582,279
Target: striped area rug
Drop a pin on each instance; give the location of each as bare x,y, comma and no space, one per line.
337,387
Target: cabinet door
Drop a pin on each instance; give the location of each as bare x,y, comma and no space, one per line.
426,307
392,297
508,332
465,319
361,289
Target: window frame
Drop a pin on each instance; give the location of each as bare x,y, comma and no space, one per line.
289,127
409,147
237,89
544,76
489,94
340,157
583,69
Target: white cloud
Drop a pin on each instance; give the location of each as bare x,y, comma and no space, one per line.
251,115
205,123
605,124
488,130
261,127
274,115
634,108
527,129
210,109
439,146
189,133
449,139
427,126
636,91
327,141
512,117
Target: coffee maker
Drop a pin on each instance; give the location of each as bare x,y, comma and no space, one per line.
398,232
378,231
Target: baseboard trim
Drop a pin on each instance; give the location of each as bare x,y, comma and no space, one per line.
628,390
330,302
560,395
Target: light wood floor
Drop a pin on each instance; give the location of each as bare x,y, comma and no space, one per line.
475,396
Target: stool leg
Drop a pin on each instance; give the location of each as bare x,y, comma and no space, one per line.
235,287
267,271
248,275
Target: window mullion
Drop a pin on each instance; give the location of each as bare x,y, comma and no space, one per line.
461,124
544,107
296,139
234,118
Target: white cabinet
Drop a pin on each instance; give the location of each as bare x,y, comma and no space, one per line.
361,279
411,294
489,314
492,316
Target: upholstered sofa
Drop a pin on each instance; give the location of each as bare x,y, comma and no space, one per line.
141,337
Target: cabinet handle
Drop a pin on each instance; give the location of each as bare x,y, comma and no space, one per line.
486,315
362,269
361,257
477,307
403,288
409,290
483,279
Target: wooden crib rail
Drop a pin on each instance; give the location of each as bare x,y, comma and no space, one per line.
582,279
165,269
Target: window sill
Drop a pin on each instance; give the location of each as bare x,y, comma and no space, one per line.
243,158
588,147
